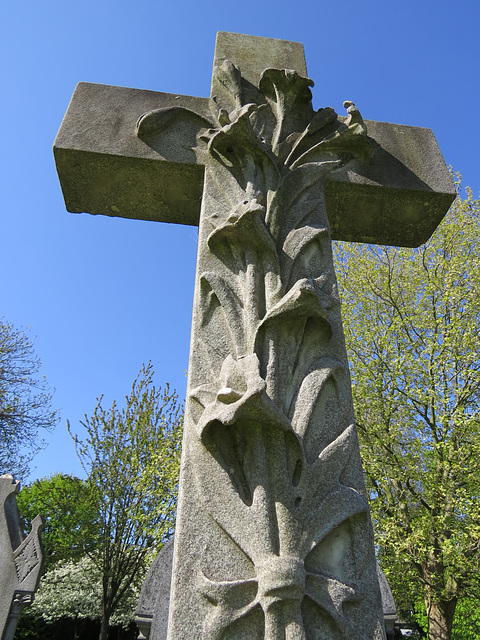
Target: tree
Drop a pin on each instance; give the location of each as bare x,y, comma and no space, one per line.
412,326
70,595
25,401
71,518
131,456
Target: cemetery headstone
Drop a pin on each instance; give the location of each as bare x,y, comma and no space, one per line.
273,535
20,559
154,602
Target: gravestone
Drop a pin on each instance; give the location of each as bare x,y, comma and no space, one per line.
388,605
273,536
21,559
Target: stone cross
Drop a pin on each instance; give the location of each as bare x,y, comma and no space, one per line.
273,536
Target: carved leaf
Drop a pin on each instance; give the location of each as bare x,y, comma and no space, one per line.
172,130
289,97
228,76
298,201
311,388
303,254
281,337
237,147
231,305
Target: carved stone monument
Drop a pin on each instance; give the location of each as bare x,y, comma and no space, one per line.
154,601
20,559
273,537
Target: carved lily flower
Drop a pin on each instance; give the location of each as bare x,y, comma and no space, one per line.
289,97
348,139
241,396
245,226
303,300
238,148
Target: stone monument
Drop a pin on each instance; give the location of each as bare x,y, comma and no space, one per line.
273,536
154,601
21,559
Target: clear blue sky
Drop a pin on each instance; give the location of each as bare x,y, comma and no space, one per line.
103,295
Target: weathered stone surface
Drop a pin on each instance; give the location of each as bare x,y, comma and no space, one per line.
273,532
154,601
388,604
397,198
105,168
269,415
152,611
20,559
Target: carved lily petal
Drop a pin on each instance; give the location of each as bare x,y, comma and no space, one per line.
238,142
290,98
285,80
321,119
238,133
230,77
204,394
302,300
349,138
245,226
242,397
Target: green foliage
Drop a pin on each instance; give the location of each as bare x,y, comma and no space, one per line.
24,401
466,625
412,322
71,517
74,590
467,620
131,456
68,601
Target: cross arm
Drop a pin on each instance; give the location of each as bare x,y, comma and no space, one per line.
104,168
397,198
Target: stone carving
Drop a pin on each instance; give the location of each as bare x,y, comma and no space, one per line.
273,538
21,559
152,610
273,407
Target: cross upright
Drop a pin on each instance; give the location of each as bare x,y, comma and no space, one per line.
273,536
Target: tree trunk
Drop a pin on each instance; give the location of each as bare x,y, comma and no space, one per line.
104,627
440,618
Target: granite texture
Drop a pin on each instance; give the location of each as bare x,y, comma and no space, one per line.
151,615
273,532
21,559
273,535
398,197
154,598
